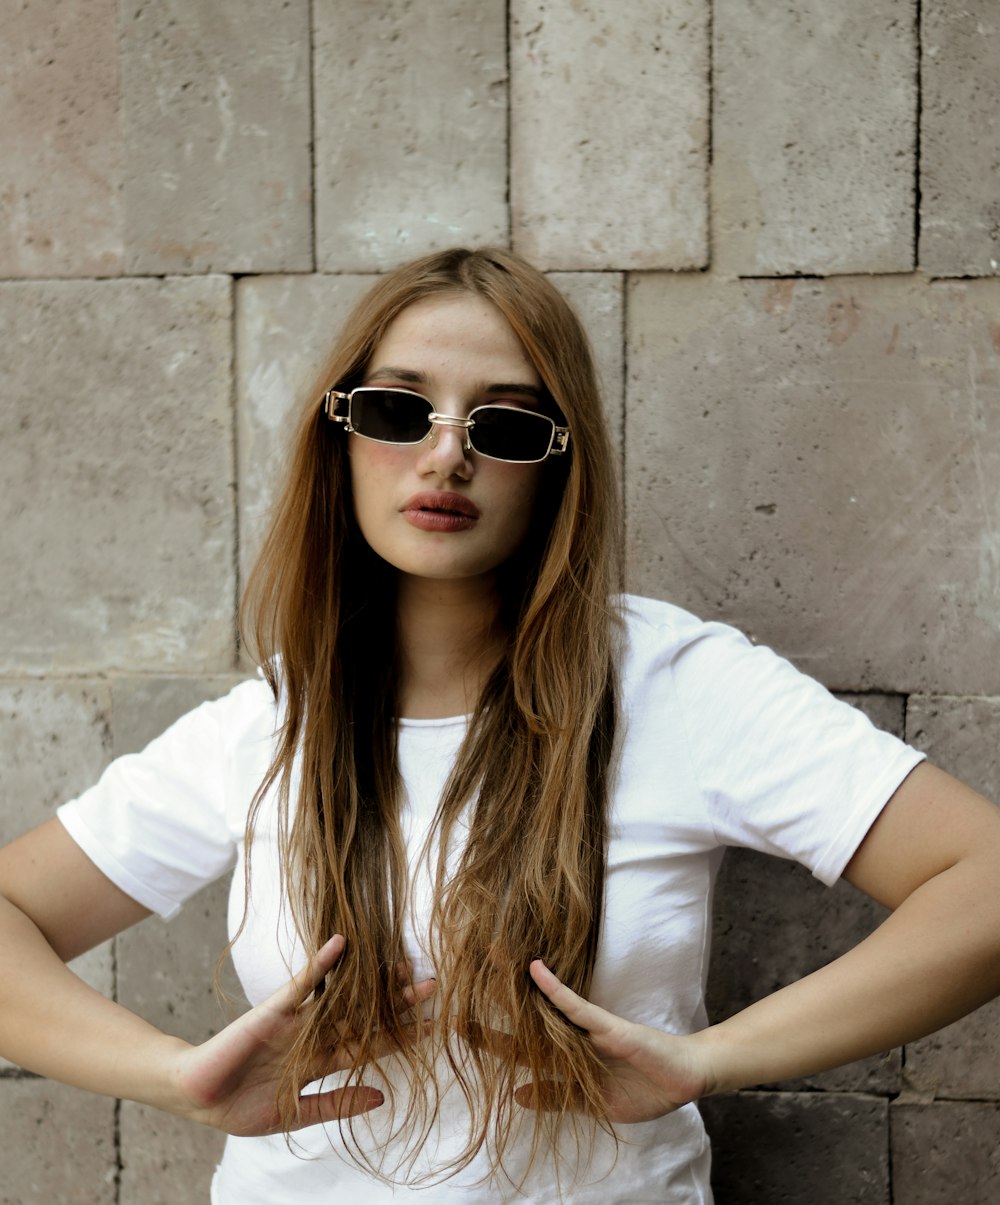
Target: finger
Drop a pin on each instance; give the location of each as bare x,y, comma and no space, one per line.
304,982
345,1055
581,1012
317,1107
416,993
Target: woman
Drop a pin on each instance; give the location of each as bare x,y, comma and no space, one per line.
477,802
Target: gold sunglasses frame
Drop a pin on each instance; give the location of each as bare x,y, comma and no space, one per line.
332,399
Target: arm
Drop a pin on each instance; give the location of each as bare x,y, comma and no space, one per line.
54,905
933,856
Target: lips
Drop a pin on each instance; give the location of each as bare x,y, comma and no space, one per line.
439,510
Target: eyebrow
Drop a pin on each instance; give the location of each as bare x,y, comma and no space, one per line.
414,377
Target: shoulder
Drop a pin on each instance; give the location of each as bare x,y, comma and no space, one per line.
710,670
648,616
661,632
248,709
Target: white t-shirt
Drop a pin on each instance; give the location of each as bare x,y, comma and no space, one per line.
721,743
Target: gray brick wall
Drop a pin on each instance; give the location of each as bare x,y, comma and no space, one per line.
782,225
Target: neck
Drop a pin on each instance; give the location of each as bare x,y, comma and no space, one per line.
449,644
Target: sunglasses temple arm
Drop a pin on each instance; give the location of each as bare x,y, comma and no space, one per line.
331,401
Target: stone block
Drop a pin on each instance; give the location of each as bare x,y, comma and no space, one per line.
58,1145
960,1061
771,1148
775,923
815,462
960,138
610,133
813,136
145,707
116,521
945,1153
961,736
411,130
885,711
165,1160
60,140
55,739
286,327
215,102
166,969
599,300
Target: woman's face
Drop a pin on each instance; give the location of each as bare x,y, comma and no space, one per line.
435,510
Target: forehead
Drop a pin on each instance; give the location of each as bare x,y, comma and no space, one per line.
461,333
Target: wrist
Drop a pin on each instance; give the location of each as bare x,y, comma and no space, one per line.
162,1078
710,1052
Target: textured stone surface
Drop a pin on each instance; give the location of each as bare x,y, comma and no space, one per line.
57,1145
813,136
960,736
944,1154
599,300
166,969
61,142
609,133
116,519
816,462
411,129
165,1160
145,707
960,138
962,1060
790,1148
286,327
884,711
55,739
217,130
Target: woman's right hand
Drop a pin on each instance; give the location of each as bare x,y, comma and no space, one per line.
231,1081
54,905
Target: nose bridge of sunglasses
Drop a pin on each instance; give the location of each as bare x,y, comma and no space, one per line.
461,427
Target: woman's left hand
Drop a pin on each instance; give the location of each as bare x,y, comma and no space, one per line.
648,1072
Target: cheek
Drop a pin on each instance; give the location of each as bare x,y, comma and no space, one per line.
372,468
522,486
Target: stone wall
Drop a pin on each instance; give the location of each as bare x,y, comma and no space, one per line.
782,224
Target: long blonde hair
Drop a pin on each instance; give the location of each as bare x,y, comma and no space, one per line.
319,614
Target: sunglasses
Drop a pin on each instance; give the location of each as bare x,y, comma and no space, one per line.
399,416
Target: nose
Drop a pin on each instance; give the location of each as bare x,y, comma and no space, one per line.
446,451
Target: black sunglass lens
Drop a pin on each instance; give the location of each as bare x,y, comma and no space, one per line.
388,416
508,434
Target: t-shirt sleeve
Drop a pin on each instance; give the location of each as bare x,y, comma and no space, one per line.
167,821
784,767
